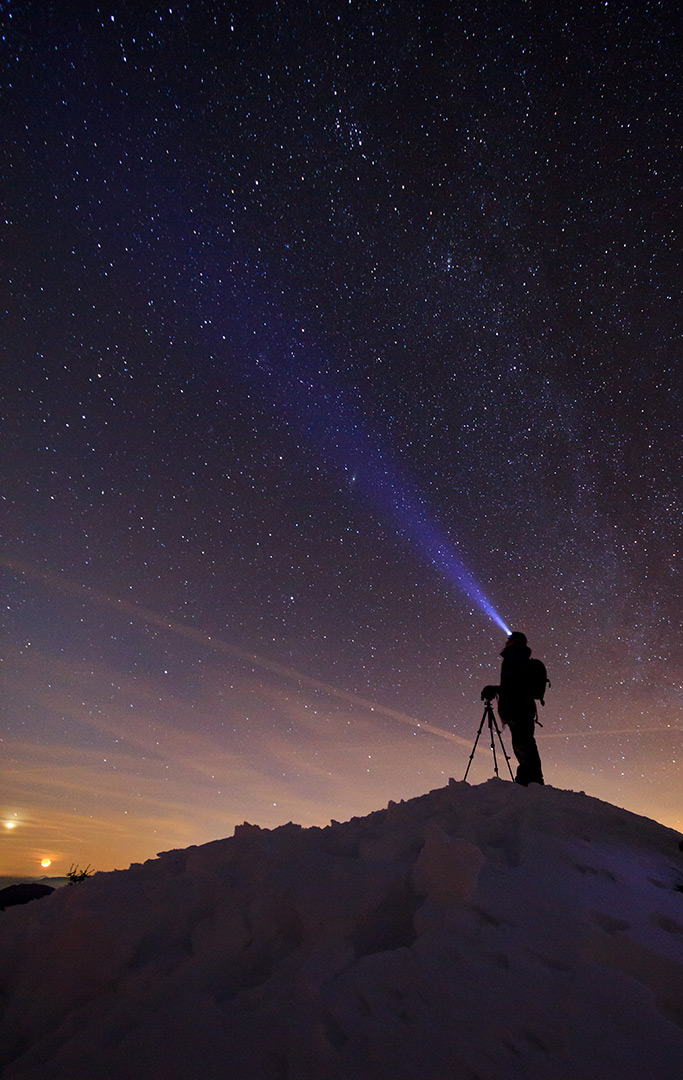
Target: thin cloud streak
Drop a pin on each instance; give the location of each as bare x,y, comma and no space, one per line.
219,645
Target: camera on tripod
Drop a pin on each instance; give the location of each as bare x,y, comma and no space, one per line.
487,696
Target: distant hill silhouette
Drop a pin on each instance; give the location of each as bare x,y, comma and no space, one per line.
23,893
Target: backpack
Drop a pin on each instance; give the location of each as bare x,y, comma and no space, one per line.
538,679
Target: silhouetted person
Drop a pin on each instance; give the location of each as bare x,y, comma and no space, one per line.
517,708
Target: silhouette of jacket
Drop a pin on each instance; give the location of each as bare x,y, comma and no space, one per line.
517,709
515,700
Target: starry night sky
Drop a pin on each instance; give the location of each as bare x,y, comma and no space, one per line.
312,313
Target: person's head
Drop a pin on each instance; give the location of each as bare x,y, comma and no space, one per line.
516,641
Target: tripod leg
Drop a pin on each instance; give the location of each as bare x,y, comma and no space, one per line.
475,745
492,721
502,745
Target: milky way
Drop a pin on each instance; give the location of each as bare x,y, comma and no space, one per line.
306,304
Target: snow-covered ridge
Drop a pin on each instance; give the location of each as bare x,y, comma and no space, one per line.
492,931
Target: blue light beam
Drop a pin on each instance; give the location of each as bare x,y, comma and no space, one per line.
307,391
430,540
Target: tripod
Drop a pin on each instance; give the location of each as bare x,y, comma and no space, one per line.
493,726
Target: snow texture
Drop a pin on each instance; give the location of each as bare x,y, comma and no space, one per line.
493,932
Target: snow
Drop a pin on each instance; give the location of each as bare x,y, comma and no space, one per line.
491,931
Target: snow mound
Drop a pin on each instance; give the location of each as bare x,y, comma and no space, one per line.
492,931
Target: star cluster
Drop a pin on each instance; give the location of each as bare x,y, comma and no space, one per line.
263,264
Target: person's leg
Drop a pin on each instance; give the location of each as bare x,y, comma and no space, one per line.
526,751
519,750
534,769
